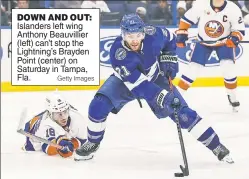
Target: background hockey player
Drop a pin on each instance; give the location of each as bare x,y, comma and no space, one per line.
61,124
144,58
219,21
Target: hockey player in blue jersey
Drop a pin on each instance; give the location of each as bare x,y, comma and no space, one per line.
144,59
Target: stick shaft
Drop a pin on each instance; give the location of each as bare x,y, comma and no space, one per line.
32,136
184,156
179,130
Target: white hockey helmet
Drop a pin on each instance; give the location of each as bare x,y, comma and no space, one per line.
56,103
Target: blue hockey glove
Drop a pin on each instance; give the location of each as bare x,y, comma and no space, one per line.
181,38
68,147
168,62
164,104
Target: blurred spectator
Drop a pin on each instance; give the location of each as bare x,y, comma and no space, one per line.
189,4
236,2
37,4
241,3
245,8
67,4
22,4
4,16
162,11
2,7
96,4
181,9
141,11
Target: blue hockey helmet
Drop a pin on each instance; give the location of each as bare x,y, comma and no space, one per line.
131,23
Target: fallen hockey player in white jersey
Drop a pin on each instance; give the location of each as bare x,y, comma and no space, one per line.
60,123
221,27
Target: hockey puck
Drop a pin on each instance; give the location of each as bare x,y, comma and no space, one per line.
179,175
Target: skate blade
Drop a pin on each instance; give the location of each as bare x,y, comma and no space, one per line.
228,159
235,109
83,158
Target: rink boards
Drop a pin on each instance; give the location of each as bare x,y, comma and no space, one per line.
211,75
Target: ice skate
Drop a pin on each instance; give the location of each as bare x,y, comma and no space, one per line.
233,102
86,151
222,154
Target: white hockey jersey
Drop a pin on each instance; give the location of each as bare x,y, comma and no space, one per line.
43,126
215,23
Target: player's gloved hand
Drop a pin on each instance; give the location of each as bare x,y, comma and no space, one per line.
163,106
233,40
181,38
67,145
168,62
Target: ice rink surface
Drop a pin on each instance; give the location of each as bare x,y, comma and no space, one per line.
136,144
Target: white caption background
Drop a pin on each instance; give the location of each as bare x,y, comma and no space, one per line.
63,49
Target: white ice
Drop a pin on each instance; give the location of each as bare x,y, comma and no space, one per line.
136,144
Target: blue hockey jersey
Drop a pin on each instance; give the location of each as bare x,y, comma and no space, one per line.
138,70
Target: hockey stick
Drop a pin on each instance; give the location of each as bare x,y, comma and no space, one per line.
32,136
175,105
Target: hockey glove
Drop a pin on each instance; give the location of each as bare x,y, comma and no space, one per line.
165,104
233,40
168,62
181,38
68,147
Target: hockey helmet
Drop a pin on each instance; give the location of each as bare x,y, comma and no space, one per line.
56,103
131,23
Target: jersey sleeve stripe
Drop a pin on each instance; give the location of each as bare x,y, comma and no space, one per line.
187,21
242,32
153,71
50,150
171,35
131,86
237,34
32,122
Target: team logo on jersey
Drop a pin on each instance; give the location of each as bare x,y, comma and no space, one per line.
150,30
105,46
214,29
120,54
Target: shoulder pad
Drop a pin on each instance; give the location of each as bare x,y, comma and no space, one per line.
150,30
120,54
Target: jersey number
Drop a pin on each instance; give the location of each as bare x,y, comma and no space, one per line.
123,72
240,20
50,132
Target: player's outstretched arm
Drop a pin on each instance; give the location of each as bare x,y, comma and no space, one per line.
168,60
190,18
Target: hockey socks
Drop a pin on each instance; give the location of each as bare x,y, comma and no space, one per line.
205,134
209,138
99,109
